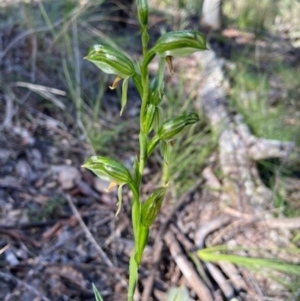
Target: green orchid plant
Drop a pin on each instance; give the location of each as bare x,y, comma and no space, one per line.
153,130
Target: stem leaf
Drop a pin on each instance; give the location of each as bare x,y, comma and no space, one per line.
97,294
124,94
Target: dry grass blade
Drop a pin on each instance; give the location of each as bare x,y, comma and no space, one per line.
41,88
4,249
45,92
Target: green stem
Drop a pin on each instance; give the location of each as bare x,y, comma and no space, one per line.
143,153
135,216
145,85
140,234
144,75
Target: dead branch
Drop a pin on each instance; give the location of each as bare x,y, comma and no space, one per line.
186,268
238,148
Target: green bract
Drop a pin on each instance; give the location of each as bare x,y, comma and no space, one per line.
142,9
108,169
148,119
152,206
179,43
111,61
156,92
172,128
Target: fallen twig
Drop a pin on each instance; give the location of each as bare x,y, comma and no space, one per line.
209,227
186,268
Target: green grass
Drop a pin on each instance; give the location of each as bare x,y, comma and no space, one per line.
271,268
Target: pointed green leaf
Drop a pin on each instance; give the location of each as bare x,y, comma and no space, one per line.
124,94
149,117
158,118
165,151
208,254
136,168
133,277
157,84
152,144
142,241
97,294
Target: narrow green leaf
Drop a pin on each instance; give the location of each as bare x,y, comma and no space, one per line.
97,294
136,168
165,151
251,263
133,277
124,94
158,118
151,145
136,217
149,117
142,241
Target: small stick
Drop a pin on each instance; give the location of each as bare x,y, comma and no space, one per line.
186,268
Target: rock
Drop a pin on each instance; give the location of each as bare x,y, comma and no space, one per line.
68,176
100,185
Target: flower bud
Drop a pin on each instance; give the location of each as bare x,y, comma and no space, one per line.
152,206
142,9
111,61
172,128
180,43
108,169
